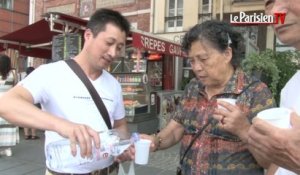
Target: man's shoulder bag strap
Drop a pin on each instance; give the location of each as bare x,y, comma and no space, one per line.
95,96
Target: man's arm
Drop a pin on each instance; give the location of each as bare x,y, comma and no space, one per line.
17,107
121,127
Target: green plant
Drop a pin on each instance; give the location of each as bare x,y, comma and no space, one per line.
263,66
288,63
273,68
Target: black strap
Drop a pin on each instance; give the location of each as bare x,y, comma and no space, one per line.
244,90
94,94
194,139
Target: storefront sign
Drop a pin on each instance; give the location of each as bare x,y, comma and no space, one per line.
110,3
157,45
67,9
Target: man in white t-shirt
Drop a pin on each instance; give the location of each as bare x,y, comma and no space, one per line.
282,146
68,109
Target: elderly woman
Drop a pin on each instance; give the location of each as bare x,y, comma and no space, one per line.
213,50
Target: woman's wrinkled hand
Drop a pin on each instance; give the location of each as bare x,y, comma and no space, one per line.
232,119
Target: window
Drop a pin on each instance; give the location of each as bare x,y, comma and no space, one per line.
174,15
206,6
205,10
6,4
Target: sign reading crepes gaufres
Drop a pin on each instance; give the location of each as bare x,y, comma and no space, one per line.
157,45
67,9
108,3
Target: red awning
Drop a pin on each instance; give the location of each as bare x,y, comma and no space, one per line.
35,39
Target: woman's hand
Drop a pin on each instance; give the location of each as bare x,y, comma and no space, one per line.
233,120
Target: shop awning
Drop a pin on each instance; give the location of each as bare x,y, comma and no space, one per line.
150,42
36,39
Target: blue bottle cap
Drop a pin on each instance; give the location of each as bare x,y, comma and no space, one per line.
135,137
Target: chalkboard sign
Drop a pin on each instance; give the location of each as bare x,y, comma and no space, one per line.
58,47
65,46
73,45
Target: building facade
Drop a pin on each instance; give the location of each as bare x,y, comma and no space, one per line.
169,18
137,11
13,15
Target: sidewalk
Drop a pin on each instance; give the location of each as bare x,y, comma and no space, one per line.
28,159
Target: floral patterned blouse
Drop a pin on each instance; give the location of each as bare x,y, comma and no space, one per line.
217,152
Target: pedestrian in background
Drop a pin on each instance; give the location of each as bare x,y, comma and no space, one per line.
9,133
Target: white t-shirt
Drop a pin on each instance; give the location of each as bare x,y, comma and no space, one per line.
290,98
60,92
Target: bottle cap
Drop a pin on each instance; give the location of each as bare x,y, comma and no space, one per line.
135,136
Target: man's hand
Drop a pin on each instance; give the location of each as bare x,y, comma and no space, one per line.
81,135
127,155
280,146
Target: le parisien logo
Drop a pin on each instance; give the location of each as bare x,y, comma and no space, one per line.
255,19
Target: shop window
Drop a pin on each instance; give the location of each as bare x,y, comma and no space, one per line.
205,11
174,15
6,4
188,73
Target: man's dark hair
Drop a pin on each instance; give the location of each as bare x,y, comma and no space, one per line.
220,35
103,16
29,70
5,66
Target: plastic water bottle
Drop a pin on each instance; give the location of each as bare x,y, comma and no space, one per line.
119,147
58,154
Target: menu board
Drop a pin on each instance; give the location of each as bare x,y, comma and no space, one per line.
73,45
58,47
65,46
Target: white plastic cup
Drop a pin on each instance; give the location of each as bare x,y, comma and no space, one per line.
279,117
228,100
142,149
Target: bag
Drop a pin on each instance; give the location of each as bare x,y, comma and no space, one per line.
178,171
131,170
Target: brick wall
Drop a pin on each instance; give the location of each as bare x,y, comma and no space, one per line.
11,20
142,20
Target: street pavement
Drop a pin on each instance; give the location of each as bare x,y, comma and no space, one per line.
28,159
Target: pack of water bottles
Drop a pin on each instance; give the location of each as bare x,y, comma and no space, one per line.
58,154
